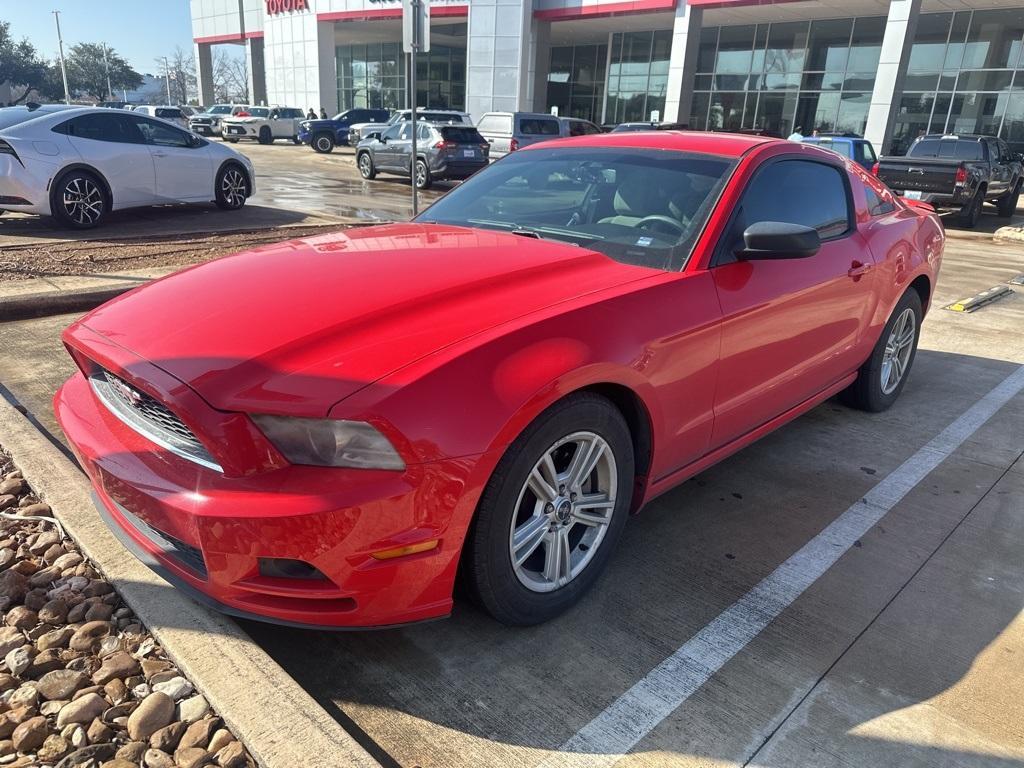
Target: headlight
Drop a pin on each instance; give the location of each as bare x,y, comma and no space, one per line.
329,442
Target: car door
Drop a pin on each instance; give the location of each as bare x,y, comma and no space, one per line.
791,327
112,144
384,151
181,161
401,149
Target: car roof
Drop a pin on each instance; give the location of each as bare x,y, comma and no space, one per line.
726,144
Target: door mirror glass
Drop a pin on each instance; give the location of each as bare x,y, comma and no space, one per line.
778,240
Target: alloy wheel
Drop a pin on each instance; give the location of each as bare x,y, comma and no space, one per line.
232,187
421,174
563,511
898,349
323,143
83,201
364,165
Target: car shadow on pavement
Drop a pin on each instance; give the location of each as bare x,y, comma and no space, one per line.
157,222
485,694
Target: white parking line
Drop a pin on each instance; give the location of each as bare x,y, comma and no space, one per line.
633,715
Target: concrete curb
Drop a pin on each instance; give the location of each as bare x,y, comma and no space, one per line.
46,303
280,724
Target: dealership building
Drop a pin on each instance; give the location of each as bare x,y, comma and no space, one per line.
886,70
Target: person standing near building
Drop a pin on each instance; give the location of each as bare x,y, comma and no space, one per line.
796,135
311,114
323,113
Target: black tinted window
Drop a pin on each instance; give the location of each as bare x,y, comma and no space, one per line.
947,148
102,127
438,117
161,134
796,192
462,135
168,113
538,126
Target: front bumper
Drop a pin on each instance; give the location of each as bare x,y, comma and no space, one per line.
204,129
207,532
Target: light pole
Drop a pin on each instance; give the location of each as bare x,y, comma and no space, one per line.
106,65
167,75
63,70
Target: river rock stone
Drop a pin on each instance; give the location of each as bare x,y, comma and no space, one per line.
166,739
38,509
10,638
193,757
26,696
61,683
132,751
199,734
193,708
7,501
13,486
87,635
232,756
117,762
99,732
7,682
54,612
53,749
21,617
154,758
155,711
30,735
19,659
86,757
117,665
219,740
177,688
82,710
99,612
116,691
56,638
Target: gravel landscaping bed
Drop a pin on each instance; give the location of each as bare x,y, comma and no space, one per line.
82,683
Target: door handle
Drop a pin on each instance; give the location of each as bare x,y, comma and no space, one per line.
159,154
857,269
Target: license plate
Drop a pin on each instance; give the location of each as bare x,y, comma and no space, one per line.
912,194
469,153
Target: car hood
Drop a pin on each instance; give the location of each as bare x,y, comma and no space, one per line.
296,327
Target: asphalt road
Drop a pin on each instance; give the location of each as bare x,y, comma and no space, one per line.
904,650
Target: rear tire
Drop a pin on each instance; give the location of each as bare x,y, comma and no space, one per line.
78,200
972,212
231,141
232,187
1007,205
561,538
323,143
366,169
265,136
423,178
881,379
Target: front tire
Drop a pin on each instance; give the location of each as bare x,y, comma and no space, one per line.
78,200
881,379
552,513
265,136
366,169
232,188
1007,205
323,143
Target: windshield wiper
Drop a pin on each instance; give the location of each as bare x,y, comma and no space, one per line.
525,233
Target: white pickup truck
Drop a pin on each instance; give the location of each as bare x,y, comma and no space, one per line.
264,124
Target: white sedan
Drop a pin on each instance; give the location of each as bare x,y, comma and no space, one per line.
77,165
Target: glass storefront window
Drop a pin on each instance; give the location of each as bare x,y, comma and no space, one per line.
576,79
637,75
994,39
373,76
829,45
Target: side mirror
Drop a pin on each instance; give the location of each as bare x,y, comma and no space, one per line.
194,141
778,240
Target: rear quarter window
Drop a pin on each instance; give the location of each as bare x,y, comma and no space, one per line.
537,126
495,124
461,135
168,113
953,149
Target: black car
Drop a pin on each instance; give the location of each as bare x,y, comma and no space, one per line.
957,173
442,152
323,135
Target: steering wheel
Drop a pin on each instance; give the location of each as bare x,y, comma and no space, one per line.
658,218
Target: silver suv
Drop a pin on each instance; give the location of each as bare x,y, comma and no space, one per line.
360,131
509,131
443,151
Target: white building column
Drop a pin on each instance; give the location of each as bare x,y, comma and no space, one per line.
892,70
327,67
256,69
503,44
204,72
682,65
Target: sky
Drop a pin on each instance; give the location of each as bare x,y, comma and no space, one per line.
139,30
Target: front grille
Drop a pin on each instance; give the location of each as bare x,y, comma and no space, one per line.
150,418
186,554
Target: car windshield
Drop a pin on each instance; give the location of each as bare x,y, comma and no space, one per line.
638,206
223,109
259,112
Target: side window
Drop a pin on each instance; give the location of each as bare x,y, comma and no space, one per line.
495,124
392,133
405,132
993,150
589,129
876,205
103,127
162,135
423,133
273,114
795,192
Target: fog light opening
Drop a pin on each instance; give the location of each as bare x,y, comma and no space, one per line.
284,568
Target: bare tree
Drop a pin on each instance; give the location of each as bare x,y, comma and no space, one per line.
182,73
230,78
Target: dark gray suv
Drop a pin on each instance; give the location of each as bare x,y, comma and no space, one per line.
443,152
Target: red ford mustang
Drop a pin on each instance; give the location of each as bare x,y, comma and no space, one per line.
326,431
